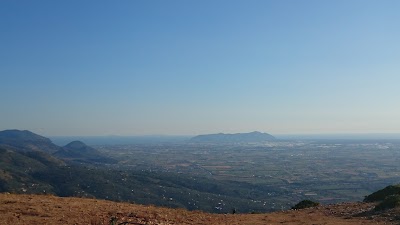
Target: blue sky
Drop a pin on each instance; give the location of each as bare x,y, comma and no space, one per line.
193,67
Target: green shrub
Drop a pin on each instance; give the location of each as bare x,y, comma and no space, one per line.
305,204
382,194
390,202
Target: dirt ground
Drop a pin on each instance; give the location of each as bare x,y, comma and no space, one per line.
44,209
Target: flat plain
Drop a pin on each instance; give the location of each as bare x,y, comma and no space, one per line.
327,171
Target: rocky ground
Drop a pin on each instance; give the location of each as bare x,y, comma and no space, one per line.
44,209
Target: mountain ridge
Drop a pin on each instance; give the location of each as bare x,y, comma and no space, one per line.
24,141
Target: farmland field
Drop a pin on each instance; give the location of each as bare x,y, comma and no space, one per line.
327,171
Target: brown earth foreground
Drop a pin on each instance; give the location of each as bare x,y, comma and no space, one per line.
44,209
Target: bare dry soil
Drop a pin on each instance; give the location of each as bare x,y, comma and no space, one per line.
45,209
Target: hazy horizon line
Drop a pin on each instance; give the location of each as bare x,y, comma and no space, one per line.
192,135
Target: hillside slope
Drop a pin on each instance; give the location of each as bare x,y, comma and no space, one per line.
24,141
45,209
17,169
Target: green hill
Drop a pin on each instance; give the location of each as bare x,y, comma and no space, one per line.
24,141
17,168
383,193
387,198
79,152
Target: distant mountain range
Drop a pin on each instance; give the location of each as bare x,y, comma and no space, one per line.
27,142
234,138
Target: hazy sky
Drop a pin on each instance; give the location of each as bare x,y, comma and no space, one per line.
192,67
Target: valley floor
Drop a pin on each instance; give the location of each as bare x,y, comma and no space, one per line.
44,209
